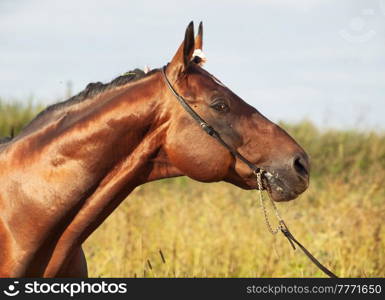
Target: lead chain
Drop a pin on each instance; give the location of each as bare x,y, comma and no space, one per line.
262,200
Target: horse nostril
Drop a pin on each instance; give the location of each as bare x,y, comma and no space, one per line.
300,166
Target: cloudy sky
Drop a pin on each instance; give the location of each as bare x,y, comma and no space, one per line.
323,60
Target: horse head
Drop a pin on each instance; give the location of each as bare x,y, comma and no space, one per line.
242,127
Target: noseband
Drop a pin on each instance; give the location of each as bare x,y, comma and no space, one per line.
258,172
206,127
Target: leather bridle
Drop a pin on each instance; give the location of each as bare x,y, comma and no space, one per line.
206,127
258,172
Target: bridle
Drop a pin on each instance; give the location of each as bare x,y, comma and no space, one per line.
206,127
257,171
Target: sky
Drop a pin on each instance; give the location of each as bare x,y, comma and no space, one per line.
321,60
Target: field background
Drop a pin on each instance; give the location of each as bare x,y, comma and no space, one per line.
217,230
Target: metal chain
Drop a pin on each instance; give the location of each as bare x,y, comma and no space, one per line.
283,228
262,200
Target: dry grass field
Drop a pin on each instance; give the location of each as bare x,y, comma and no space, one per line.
217,230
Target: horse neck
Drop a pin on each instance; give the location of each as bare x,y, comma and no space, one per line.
72,172
96,140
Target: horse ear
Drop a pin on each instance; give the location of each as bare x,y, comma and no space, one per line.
183,56
199,37
198,55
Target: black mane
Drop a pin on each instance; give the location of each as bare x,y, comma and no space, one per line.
92,89
95,88
6,139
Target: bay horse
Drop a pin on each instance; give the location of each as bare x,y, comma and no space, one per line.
72,165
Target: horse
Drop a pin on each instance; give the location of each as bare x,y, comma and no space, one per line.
77,160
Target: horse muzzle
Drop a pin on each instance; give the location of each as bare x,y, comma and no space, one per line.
287,182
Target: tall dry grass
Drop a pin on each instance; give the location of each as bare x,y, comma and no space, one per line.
217,230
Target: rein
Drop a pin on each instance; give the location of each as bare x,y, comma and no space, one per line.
258,172
285,230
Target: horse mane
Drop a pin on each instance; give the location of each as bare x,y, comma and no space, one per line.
5,140
92,89
95,88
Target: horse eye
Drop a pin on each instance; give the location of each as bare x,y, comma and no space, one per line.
221,106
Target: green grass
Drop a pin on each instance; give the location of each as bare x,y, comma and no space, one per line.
217,230
15,115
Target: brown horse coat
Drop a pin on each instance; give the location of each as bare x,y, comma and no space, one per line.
73,164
